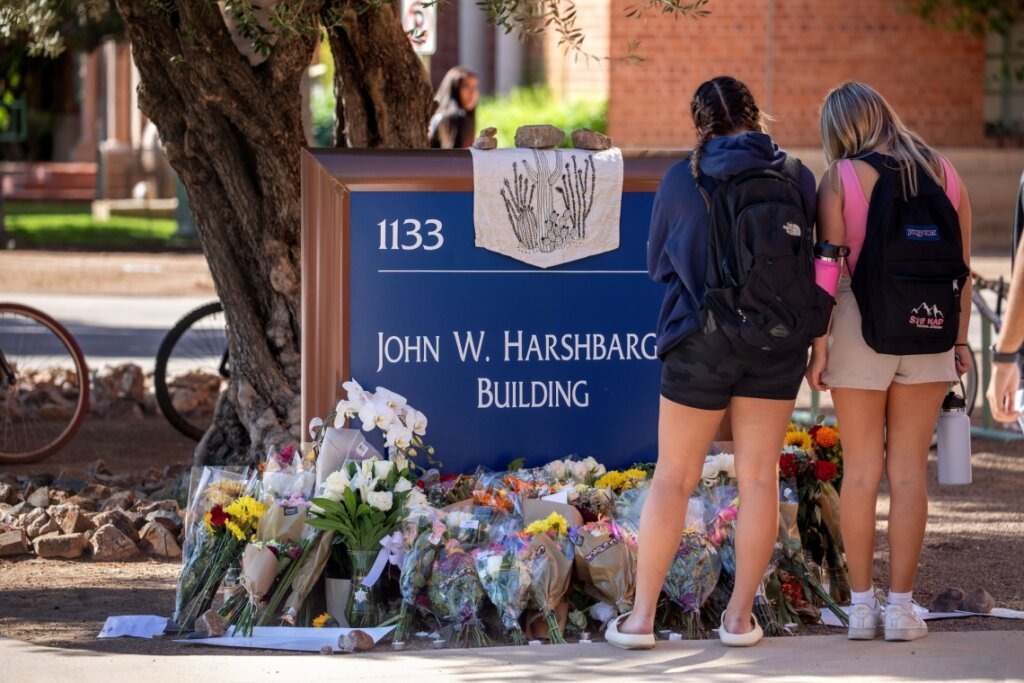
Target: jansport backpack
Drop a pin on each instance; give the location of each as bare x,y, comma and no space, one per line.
760,287
911,268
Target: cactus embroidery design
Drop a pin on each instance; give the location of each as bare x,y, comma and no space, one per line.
548,205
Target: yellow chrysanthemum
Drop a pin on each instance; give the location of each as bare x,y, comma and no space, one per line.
553,522
319,621
621,481
800,438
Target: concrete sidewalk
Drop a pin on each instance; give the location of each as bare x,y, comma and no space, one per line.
965,656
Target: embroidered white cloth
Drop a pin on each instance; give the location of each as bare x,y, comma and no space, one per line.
547,207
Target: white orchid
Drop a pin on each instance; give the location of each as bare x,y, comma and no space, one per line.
416,421
392,400
381,500
398,436
355,391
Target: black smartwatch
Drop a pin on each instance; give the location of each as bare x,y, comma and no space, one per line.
999,357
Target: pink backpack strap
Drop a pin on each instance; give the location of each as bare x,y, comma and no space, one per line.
952,183
853,192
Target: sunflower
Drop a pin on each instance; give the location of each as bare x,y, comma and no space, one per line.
800,438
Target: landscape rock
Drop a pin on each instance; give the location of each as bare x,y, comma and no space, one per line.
15,511
96,492
543,136
947,601
145,509
978,601
119,518
212,624
34,521
72,519
39,498
110,544
120,500
87,504
156,539
8,494
68,546
13,543
169,520
355,641
584,138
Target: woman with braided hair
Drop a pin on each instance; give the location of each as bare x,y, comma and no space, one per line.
702,376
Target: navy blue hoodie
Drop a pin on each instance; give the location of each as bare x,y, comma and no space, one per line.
677,245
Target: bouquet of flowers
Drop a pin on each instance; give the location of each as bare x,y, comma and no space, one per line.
263,562
605,563
506,580
571,471
807,461
547,554
694,571
456,595
402,425
618,481
227,525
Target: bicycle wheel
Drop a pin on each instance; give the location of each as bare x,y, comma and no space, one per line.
44,385
191,369
971,382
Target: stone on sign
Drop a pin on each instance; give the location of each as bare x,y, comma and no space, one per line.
109,544
67,546
978,601
584,138
211,623
544,136
486,139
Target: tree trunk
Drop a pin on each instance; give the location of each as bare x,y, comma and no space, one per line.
382,89
233,133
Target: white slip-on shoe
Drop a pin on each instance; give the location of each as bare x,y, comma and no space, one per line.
864,620
627,641
903,623
751,637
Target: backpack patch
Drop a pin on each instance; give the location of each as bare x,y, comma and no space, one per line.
911,269
759,287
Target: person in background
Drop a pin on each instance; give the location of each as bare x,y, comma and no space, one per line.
702,375
454,122
1002,390
887,404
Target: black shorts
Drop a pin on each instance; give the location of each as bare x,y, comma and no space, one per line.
703,371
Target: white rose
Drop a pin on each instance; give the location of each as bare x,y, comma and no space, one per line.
556,469
382,500
402,485
336,485
382,468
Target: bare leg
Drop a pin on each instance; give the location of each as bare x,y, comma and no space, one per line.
861,416
912,412
760,427
684,435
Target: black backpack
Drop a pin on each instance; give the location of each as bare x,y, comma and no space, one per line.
911,269
760,287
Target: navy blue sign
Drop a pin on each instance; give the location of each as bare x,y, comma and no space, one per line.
505,359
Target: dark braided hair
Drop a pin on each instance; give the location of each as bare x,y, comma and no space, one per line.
722,106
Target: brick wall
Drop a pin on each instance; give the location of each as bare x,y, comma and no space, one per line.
790,52
574,74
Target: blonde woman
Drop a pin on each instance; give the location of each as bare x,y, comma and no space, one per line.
887,404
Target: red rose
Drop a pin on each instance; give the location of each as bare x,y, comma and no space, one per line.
218,516
788,465
825,470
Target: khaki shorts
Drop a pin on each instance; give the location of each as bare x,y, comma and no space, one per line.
852,364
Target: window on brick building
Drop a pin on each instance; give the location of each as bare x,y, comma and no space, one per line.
1004,84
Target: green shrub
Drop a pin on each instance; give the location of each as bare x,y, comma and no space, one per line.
536,105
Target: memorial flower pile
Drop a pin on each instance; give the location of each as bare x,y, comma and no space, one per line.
485,556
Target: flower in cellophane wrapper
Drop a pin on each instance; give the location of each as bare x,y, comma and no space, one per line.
694,571
457,596
721,508
719,470
506,580
286,474
501,491
592,503
622,480
548,555
605,563
262,563
226,529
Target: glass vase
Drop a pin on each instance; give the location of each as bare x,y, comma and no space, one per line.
363,609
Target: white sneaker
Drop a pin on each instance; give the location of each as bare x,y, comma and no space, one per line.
864,621
903,623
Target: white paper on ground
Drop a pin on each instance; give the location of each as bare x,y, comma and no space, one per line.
289,638
830,620
135,625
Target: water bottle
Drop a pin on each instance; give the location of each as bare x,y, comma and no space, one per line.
954,441
828,261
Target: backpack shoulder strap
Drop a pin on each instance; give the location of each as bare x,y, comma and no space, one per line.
706,185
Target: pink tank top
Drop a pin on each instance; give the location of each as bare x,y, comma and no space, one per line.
855,205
